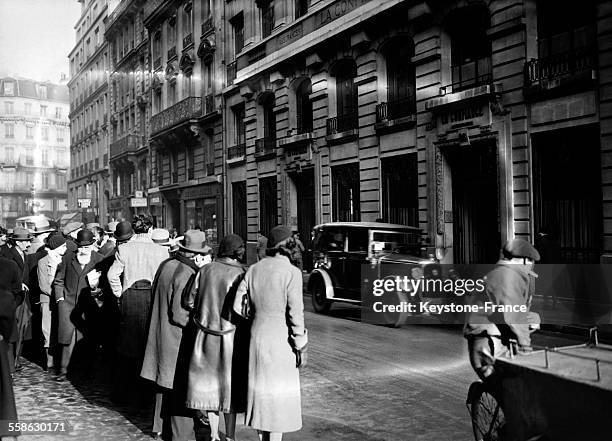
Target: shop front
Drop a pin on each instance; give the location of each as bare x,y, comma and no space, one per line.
202,210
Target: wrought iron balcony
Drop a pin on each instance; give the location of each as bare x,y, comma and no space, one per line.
304,125
172,52
471,74
395,109
127,144
187,40
342,123
231,73
210,169
265,147
208,26
564,65
157,63
236,151
182,111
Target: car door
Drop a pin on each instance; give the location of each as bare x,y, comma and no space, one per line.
356,256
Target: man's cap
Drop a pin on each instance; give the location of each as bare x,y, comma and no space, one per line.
230,244
195,242
56,241
20,234
123,231
71,227
520,248
278,234
161,236
85,238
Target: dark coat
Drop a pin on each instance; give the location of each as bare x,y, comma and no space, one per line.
168,319
8,411
70,283
10,280
211,385
11,253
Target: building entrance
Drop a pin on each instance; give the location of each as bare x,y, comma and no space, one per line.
303,208
475,199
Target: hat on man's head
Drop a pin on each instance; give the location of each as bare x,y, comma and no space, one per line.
520,248
71,227
195,242
44,227
92,225
123,231
85,238
230,244
161,237
20,234
111,227
56,241
278,234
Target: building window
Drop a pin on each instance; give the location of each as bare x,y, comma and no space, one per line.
9,130
187,19
28,108
400,184
563,28
190,162
60,157
171,94
42,91
9,155
267,19
470,47
29,157
61,132
29,132
45,180
346,96
43,110
268,204
239,209
401,81
29,179
44,133
9,88
238,26
61,182
209,139
239,125
301,8
304,107
269,117
345,193
171,32
45,157
9,108
58,112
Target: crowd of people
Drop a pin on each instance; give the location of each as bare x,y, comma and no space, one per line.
188,327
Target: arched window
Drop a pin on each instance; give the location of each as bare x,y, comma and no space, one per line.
470,47
269,118
346,95
303,106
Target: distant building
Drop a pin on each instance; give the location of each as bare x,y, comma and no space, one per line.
89,184
34,143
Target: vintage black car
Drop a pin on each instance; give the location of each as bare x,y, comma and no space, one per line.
341,248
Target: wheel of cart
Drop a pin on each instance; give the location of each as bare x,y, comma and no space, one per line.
487,414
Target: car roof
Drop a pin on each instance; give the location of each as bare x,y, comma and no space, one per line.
369,225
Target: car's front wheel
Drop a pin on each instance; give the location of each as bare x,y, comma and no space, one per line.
320,302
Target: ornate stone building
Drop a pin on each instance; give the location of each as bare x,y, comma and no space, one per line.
186,124
476,121
129,109
34,145
89,185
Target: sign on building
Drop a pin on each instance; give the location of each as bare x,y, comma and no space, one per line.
138,202
84,203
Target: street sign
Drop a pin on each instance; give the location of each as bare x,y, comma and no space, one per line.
138,202
84,203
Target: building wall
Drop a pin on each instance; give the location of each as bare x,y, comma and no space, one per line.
34,141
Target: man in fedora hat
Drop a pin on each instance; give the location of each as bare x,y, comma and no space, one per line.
76,276
137,259
168,320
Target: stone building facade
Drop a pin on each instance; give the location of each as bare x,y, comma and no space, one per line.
186,124
129,109
89,184
34,149
476,121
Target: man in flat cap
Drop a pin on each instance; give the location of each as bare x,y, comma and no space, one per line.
489,330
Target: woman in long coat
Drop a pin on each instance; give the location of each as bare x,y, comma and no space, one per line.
271,293
212,385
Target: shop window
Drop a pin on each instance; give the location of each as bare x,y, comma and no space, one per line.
345,193
470,47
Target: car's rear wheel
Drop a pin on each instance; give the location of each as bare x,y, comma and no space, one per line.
320,302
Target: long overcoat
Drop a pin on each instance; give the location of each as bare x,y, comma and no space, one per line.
168,319
215,382
273,287
8,411
70,283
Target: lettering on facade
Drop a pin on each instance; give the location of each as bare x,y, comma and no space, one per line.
290,36
461,115
336,11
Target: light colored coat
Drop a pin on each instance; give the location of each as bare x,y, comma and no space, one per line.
168,319
274,289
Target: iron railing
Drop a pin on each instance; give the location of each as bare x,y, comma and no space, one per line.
265,146
342,123
187,40
566,64
172,52
395,109
190,107
231,73
471,74
208,26
209,103
127,144
236,151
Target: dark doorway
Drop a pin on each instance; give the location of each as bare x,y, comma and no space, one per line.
239,209
400,185
268,204
475,215
567,191
304,183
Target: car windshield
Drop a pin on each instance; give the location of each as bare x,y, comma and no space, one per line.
399,242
